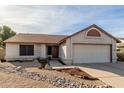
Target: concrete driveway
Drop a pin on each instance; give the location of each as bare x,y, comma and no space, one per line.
110,73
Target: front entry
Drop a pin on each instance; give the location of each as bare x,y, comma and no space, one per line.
53,51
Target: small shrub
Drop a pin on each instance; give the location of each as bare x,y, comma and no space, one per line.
120,56
3,60
43,61
118,50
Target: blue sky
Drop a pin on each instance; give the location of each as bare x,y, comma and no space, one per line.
62,19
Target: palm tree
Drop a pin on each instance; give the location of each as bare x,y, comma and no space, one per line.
5,33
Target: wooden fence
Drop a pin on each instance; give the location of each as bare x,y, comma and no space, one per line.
2,53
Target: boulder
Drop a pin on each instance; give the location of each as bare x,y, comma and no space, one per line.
48,67
35,60
18,68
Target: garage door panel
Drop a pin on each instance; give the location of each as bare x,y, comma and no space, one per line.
91,53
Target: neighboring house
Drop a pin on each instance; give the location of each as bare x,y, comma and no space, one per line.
121,44
90,45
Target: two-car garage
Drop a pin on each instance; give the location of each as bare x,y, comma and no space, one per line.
90,45
91,53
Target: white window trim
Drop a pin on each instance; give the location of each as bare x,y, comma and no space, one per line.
93,37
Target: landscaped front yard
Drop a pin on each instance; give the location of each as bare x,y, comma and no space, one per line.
10,76
14,81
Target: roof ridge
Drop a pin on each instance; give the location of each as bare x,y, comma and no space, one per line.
93,25
40,34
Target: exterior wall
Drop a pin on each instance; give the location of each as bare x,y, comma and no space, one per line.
63,51
114,55
40,50
12,51
82,38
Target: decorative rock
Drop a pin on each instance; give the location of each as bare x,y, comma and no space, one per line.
18,68
78,76
94,86
48,67
61,82
35,60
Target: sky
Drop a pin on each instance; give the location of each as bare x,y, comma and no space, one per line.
64,20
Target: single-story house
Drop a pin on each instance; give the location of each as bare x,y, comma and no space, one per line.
90,45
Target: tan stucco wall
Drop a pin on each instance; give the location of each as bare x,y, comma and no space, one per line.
12,51
63,51
82,38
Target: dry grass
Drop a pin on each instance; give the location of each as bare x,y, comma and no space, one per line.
2,53
14,81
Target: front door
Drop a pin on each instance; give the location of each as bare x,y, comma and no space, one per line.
55,51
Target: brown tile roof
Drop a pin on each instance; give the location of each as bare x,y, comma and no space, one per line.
45,38
35,38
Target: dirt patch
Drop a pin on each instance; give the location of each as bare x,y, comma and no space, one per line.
77,73
14,81
54,73
51,77
55,81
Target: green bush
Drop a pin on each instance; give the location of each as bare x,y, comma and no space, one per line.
118,50
120,56
43,61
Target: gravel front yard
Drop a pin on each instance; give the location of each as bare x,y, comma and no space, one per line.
53,73
34,77
14,81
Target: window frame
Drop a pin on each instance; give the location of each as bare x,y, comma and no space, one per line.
95,37
26,51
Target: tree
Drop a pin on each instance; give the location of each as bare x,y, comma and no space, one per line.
5,33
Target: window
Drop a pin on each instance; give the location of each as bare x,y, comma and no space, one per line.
26,50
93,33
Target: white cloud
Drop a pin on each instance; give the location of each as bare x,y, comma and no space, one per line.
55,19
40,19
